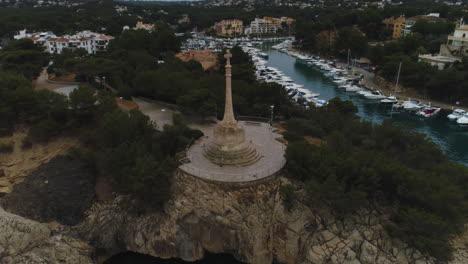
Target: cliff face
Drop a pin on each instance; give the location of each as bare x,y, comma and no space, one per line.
26,241
251,224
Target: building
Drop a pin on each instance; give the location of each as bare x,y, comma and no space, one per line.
87,40
229,28
207,58
411,21
278,22
441,62
184,19
262,26
453,51
147,27
396,25
457,43
282,22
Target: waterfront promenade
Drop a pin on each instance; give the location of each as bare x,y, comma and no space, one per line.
368,81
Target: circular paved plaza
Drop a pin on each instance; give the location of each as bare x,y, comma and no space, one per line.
260,134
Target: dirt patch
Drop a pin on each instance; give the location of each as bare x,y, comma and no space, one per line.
315,141
64,78
60,190
21,162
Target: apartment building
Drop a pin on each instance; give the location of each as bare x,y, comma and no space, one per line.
87,40
397,25
229,28
262,26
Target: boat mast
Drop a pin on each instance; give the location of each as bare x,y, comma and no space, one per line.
398,78
348,56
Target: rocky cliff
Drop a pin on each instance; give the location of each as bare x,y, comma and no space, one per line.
26,241
249,223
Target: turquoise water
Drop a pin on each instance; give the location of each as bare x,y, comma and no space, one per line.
452,140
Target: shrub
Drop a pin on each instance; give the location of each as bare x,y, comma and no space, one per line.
44,130
7,147
289,196
26,143
84,155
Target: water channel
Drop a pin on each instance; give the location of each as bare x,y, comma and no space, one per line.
452,140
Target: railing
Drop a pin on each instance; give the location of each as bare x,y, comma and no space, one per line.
273,168
234,177
253,118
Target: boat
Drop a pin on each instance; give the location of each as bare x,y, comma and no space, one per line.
374,95
263,55
463,121
412,105
428,111
353,88
456,114
389,100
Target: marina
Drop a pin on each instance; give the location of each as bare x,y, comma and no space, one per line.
452,136
312,81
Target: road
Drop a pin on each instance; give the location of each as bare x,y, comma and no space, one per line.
41,82
159,113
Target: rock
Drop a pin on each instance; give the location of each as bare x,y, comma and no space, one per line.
249,223
350,255
368,253
27,241
60,190
2,173
327,235
316,255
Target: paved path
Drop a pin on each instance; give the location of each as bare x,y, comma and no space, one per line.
157,112
270,150
42,83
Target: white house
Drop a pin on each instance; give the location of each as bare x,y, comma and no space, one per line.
262,26
458,41
87,40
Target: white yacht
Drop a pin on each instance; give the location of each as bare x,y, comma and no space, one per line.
353,88
412,105
389,100
374,95
456,114
463,121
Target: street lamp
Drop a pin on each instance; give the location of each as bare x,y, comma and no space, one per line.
272,107
103,82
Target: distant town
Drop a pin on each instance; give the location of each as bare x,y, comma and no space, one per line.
234,131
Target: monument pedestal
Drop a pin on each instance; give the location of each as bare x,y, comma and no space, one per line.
230,148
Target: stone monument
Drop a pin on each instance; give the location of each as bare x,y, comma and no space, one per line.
229,146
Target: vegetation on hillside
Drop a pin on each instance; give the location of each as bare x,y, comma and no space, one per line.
361,163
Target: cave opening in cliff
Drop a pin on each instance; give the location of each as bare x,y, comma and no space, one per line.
133,257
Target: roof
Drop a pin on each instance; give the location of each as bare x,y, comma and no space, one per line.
462,28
